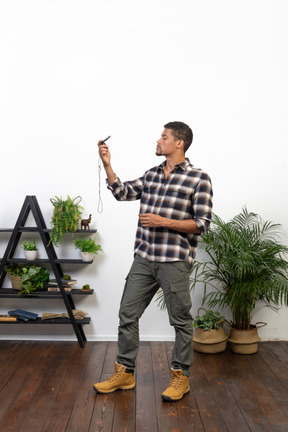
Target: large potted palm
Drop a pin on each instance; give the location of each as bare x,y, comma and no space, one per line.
246,267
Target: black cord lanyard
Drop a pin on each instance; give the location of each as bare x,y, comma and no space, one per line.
100,203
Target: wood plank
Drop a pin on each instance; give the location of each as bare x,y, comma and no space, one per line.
276,375
146,419
188,413
6,351
284,345
28,355
28,377
103,414
48,387
276,366
63,404
227,406
11,355
273,379
249,392
167,414
208,409
124,413
84,404
279,352
38,413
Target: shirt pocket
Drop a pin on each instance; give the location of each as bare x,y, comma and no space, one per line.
149,197
180,191
178,198
150,186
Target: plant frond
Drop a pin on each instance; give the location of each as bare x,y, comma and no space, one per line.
246,264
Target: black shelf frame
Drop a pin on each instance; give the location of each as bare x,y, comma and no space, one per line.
43,294
50,321
47,261
31,205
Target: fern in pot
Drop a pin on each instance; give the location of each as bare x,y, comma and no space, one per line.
246,269
88,248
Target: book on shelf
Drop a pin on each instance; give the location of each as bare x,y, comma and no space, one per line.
57,289
22,318
23,315
53,282
6,317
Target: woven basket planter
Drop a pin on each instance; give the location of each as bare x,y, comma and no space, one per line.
245,341
16,282
209,341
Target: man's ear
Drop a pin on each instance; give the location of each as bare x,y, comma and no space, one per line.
180,143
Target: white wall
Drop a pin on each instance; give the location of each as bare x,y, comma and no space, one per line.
73,72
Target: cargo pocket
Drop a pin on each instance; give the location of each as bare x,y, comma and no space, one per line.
180,300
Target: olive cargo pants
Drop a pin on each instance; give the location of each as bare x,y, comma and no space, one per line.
142,282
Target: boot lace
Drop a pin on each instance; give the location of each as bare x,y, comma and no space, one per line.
115,376
176,382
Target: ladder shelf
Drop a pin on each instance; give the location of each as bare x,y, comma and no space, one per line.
31,205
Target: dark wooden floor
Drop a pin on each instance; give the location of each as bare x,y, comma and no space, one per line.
48,387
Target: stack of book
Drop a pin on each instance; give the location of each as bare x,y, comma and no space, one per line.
23,315
5,317
67,284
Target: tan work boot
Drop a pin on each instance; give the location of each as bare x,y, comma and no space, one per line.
178,387
122,379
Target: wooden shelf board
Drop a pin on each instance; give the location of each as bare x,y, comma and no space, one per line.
47,261
49,321
46,230
10,293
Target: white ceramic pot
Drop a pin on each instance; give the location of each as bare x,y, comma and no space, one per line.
85,256
30,254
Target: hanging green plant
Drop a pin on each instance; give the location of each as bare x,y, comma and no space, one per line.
65,218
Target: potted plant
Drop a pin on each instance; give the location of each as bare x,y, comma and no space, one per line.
27,279
86,288
33,278
30,249
15,272
209,335
87,247
246,267
65,218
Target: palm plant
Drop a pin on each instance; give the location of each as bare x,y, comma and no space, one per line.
246,267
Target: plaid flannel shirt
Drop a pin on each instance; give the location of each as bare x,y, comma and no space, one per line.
185,194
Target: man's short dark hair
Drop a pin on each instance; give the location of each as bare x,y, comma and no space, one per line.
181,131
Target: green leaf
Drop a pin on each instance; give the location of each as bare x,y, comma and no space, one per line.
246,266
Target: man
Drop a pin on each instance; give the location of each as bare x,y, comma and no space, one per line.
175,207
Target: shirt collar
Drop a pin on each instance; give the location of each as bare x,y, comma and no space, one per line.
182,165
